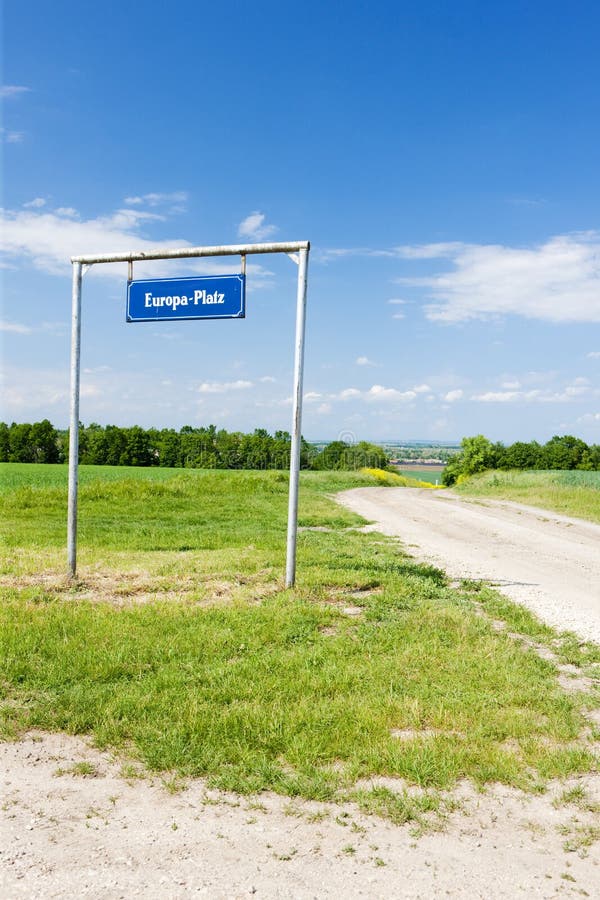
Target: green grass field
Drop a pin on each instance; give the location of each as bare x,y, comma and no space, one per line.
179,646
575,493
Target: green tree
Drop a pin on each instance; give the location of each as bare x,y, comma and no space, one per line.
43,441
169,448
136,450
331,457
521,455
115,445
364,455
4,442
477,455
95,448
20,446
564,452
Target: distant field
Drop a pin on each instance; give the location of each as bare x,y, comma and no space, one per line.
433,474
575,493
179,645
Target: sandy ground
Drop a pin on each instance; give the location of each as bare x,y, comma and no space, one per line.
548,562
101,836
72,824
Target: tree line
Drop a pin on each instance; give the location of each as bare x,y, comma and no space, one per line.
560,452
205,448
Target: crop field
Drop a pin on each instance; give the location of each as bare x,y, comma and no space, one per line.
432,474
573,493
179,646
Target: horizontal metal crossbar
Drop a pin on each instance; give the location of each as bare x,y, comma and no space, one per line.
190,252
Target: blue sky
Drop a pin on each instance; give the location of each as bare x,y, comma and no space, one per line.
441,157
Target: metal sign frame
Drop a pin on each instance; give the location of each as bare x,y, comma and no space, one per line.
298,251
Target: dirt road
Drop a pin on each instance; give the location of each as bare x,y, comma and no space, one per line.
548,562
104,837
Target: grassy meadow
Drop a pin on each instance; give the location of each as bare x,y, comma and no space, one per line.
573,493
179,646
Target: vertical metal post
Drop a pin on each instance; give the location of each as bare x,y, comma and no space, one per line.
74,420
290,570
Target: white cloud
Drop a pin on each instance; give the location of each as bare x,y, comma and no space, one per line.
7,91
14,327
36,203
28,390
595,354
558,281
12,137
253,227
312,397
223,387
98,369
90,390
577,389
268,379
57,329
589,419
175,199
118,397
511,385
498,397
48,238
396,301
379,392
364,361
421,389
453,396
429,251
376,393
334,253
324,409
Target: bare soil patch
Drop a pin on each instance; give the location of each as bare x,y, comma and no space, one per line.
122,588
71,824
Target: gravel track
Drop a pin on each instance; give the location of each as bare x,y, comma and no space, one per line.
103,838
546,561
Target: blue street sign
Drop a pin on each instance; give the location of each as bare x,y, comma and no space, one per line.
213,297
